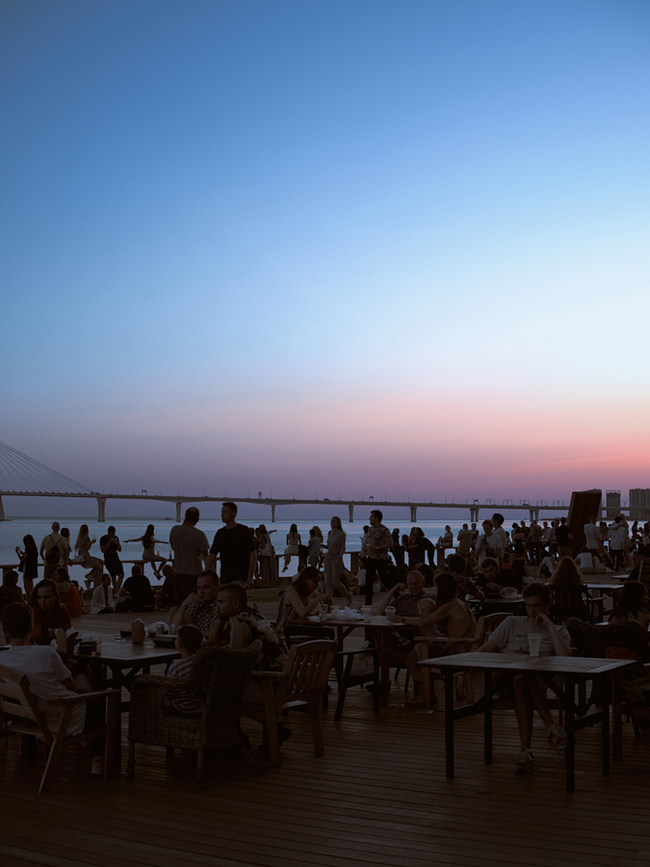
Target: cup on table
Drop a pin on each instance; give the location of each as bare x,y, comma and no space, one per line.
533,644
366,610
390,609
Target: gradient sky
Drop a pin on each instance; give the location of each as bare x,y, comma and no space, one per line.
354,248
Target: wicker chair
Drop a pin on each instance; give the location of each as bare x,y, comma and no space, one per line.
217,679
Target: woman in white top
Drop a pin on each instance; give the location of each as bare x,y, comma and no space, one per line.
293,544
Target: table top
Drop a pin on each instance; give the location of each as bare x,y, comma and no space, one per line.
115,649
523,662
591,586
378,621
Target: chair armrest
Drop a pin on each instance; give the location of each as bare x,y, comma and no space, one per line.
373,650
274,674
82,696
443,640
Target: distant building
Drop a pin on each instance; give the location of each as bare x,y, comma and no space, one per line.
613,503
640,504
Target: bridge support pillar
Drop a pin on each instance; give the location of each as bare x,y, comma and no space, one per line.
473,513
534,514
350,513
101,509
273,513
178,513
414,514
3,517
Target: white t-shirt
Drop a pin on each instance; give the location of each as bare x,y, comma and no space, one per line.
585,560
592,536
511,636
46,672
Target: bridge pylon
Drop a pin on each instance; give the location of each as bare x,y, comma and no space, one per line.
414,514
101,509
351,513
3,517
178,512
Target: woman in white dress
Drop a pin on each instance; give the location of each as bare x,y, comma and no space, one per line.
293,543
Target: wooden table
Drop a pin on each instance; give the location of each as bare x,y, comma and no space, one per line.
572,668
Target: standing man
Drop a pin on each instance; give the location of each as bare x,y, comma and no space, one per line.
563,536
190,547
109,546
499,532
236,548
53,550
592,535
376,544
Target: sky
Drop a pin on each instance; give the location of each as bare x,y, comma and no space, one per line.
389,248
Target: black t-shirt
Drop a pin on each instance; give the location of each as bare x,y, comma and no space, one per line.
111,556
141,592
562,535
234,547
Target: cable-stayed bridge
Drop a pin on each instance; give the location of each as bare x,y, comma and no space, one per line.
22,476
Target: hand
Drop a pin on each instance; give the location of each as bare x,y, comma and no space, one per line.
324,597
394,618
400,588
190,599
542,620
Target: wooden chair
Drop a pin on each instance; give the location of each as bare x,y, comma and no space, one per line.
217,680
21,714
595,641
485,626
575,601
346,678
299,686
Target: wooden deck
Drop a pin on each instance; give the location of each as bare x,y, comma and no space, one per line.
378,797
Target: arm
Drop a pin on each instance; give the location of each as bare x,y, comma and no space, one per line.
438,615
386,601
216,633
303,609
180,618
560,648
488,647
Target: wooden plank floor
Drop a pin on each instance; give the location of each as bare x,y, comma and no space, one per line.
378,797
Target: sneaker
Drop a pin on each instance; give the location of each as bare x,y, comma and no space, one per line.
524,763
556,737
97,766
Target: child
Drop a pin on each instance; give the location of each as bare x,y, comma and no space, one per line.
188,641
103,601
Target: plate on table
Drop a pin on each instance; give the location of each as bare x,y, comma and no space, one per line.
164,640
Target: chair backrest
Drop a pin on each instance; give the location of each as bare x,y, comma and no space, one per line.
593,641
305,673
297,633
17,700
568,601
218,677
491,621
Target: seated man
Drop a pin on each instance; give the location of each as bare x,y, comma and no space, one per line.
493,578
237,626
406,604
49,678
135,594
164,593
511,636
200,609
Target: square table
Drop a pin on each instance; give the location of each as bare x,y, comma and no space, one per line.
572,668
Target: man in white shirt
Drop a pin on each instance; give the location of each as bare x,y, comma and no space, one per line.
512,636
592,535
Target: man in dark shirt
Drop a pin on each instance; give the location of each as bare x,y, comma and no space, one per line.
236,548
109,546
493,578
563,537
136,593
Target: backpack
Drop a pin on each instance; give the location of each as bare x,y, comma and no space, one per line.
53,555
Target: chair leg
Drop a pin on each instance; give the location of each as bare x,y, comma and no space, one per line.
130,765
55,749
200,769
317,733
469,689
617,734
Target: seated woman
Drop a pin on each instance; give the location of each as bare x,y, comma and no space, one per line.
301,598
633,605
10,592
452,615
48,611
68,593
570,596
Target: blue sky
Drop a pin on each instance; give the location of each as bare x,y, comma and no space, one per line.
321,244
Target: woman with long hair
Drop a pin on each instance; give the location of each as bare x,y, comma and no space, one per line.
334,560
28,564
268,572
149,555
82,556
570,597
48,611
301,598
293,545
634,605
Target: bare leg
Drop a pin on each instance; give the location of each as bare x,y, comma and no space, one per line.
524,711
537,692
